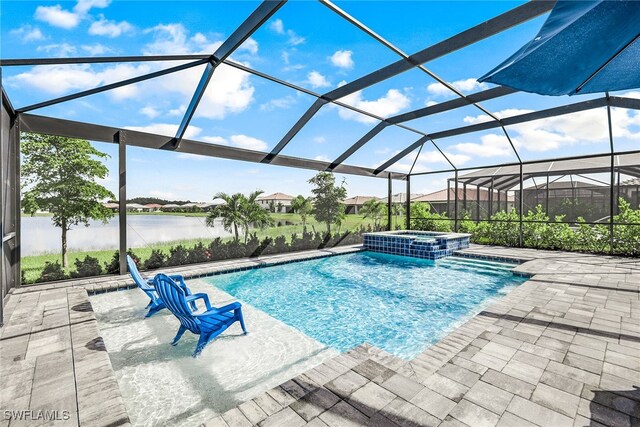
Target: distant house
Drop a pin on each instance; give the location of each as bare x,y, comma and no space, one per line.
280,202
170,207
402,197
135,207
153,207
112,206
438,200
352,205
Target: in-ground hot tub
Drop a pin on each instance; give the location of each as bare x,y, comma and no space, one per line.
417,244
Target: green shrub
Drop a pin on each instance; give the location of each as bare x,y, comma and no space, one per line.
113,267
157,259
52,271
423,219
178,255
87,267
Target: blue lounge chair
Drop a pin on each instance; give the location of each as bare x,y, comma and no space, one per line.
147,286
208,325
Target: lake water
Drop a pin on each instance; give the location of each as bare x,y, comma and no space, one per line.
40,236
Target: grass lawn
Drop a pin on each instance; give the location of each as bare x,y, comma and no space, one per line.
32,265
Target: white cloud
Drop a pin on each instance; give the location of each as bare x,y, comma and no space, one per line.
585,127
319,139
96,49
277,26
388,105
150,112
278,103
250,45
58,17
58,49
434,156
317,80
491,145
166,129
295,39
247,142
189,156
82,7
427,158
178,111
342,59
322,158
465,86
112,29
170,39
28,33
229,91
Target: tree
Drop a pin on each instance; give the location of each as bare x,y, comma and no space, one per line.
375,210
254,215
59,175
398,210
240,211
279,207
328,198
303,207
272,206
230,212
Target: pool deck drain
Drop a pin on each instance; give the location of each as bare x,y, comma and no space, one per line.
562,349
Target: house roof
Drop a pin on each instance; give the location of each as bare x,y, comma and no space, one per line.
275,196
111,205
358,200
472,194
153,206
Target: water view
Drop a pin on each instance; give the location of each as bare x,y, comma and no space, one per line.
39,235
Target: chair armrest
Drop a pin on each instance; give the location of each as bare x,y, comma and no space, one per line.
229,307
202,296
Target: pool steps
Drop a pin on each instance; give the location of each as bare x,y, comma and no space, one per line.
477,262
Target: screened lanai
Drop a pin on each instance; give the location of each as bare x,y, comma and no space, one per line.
368,120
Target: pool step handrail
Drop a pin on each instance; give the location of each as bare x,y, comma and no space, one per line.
147,285
207,325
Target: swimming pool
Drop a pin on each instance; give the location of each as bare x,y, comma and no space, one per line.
396,303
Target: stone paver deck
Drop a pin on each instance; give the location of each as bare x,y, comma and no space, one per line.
562,349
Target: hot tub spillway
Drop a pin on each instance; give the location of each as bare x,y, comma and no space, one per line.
426,245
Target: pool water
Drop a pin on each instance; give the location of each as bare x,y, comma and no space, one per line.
399,304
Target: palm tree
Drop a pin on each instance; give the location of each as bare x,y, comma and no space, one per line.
230,212
303,207
253,214
373,209
240,211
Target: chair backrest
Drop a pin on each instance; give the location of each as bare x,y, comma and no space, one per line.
137,277
174,298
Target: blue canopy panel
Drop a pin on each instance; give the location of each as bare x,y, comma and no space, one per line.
583,47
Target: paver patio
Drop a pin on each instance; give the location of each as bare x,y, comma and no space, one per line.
562,349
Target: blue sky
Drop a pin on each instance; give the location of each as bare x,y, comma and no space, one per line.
304,43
